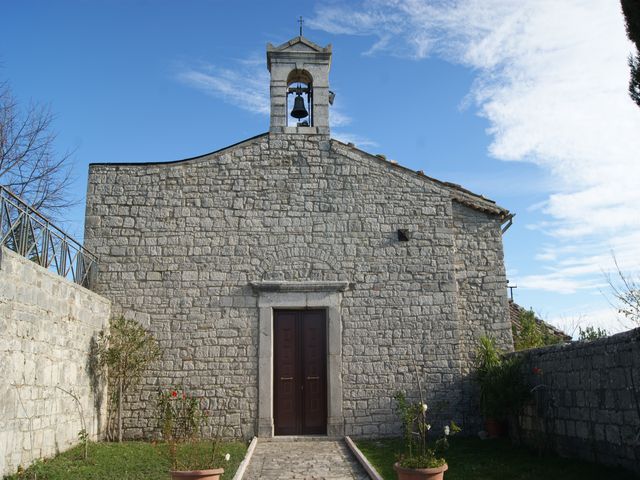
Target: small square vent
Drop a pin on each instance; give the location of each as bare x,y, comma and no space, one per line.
403,235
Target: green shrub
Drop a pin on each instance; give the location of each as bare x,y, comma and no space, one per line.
531,334
503,390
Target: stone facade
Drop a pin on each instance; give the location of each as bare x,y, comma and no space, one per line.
481,301
201,251
180,243
586,400
46,327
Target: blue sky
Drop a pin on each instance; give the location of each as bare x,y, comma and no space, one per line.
524,102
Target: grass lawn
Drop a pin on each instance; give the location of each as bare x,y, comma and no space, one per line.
120,461
472,458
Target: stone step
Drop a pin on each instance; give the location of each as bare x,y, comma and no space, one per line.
310,458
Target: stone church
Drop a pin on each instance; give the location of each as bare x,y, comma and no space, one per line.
296,282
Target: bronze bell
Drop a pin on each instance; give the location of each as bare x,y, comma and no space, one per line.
299,111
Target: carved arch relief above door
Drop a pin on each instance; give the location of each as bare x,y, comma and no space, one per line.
300,264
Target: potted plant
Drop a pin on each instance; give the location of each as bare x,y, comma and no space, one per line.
422,460
503,390
181,418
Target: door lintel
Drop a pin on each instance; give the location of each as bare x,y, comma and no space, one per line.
305,286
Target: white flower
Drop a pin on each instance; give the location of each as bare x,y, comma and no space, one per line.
423,406
428,426
446,430
227,457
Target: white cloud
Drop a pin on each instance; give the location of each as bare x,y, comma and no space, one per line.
604,318
337,118
358,140
584,264
246,86
552,82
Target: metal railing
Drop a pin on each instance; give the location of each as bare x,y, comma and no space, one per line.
32,235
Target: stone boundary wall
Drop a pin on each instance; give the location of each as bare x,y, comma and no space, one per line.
47,325
586,400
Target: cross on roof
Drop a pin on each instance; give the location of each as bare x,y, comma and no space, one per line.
300,21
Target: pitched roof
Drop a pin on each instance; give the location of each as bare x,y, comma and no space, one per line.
295,41
297,48
516,310
458,193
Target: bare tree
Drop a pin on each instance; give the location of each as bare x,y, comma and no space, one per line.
626,293
29,165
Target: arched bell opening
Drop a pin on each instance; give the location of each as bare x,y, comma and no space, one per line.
299,99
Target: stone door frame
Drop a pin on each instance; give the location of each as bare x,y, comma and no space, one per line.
281,294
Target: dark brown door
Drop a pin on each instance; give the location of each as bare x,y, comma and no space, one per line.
300,368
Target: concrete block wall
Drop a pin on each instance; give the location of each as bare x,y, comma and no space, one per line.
47,324
586,400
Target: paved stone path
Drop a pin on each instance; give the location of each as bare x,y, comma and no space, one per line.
303,459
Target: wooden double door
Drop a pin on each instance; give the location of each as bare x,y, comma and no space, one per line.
300,372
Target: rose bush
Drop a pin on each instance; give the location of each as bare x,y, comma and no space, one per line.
181,418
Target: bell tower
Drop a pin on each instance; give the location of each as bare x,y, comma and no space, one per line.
300,95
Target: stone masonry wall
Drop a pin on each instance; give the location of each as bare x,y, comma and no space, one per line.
46,327
179,244
482,307
586,400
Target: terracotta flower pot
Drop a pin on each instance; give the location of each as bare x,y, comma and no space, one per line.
211,474
420,473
